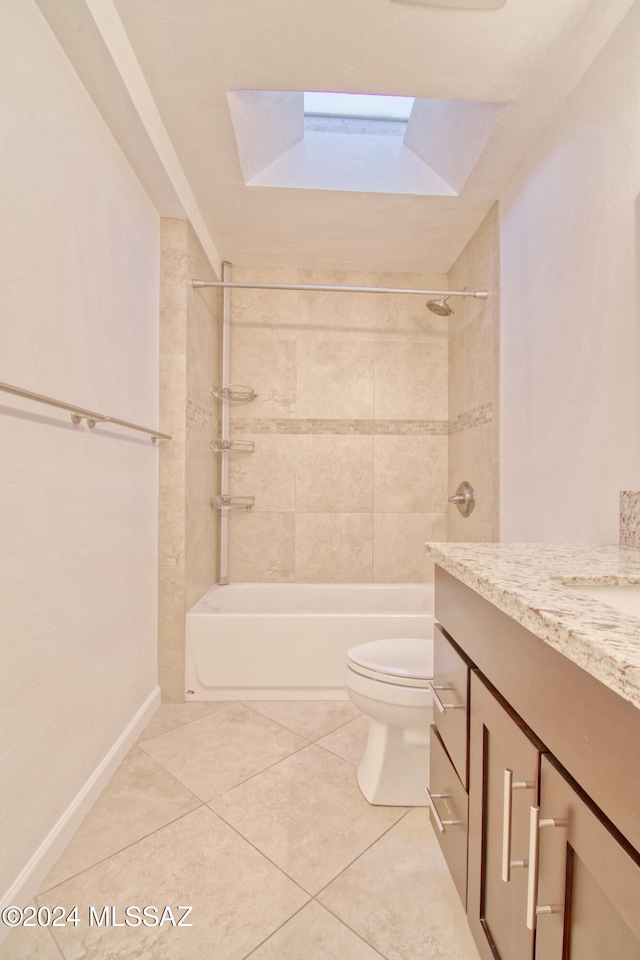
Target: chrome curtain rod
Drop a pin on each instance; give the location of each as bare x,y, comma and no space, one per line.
79,413
481,294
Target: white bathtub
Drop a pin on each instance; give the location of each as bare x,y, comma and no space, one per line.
289,641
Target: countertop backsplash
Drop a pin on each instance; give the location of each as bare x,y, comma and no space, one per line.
630,518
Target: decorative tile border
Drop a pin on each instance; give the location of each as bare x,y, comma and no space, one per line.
198,414
285,425
475,417
407,428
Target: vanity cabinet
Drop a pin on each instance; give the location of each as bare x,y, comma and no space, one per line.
553,827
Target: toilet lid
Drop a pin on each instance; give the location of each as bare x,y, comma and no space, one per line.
397,657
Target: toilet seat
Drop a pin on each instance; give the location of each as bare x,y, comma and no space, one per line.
402,661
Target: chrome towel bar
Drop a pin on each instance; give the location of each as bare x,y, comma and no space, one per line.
79,413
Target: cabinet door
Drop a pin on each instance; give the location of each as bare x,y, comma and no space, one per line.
587,905
503,786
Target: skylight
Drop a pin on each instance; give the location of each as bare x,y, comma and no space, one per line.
356,114
359,106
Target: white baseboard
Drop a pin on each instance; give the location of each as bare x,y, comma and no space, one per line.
24,888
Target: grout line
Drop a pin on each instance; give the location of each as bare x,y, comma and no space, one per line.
322,907
179,726
116,853
344,723
340,920
362,852
164,769
258,772
273,932
263,854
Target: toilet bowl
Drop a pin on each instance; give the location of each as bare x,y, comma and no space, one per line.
388,680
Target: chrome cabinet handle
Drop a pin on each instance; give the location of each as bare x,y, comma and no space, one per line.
443,707
532,880
533,910
441,824
509,785
506,825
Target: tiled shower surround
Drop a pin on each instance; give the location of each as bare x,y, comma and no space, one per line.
370,412
187,529
352,424
349,469
474,384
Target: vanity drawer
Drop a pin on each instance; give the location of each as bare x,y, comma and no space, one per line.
450,687
449,805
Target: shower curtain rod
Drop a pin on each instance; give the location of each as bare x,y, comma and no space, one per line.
482,294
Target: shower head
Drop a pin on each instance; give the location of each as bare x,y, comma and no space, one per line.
441,307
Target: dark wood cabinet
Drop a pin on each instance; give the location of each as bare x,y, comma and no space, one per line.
450,687
503,781
549,873
584,897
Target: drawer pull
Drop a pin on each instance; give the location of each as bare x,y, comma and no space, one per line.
535,825
441,824
509,786
443,707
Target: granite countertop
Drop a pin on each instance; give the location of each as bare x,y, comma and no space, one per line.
528,581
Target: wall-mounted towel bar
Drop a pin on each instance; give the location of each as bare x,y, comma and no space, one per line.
79,413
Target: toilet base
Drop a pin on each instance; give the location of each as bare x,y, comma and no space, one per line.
394,770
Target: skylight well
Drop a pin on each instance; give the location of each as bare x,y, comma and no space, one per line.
358,142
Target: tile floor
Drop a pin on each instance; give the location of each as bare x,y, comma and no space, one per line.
250,814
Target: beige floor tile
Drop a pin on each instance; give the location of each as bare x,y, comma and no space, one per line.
140,797
30,943
349,741
314,934
400,898
169,716
212,755
238,897
307,815
310,718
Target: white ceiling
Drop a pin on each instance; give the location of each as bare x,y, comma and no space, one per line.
527,55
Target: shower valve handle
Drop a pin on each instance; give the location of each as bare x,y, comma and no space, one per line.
464,498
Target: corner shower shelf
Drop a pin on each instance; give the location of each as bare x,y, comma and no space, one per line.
233,446
227,503
235,394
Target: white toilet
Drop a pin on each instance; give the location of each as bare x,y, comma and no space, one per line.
388,680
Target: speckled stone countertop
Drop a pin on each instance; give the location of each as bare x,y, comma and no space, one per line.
528,582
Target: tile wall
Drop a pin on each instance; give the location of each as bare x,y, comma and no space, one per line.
474,385
189,359
350,428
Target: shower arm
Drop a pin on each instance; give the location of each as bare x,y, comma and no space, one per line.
479,294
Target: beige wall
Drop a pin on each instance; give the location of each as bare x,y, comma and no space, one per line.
474,384
570,229
350,427
79,264
189,361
